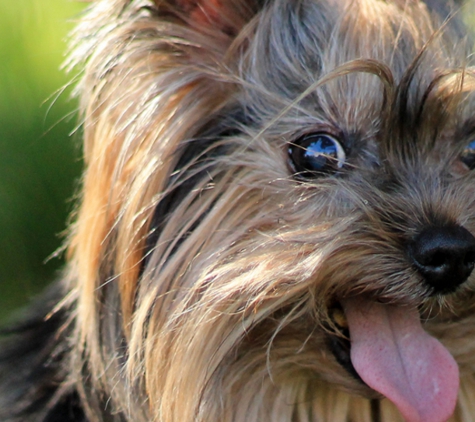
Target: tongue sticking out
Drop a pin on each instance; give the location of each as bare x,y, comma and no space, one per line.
396,357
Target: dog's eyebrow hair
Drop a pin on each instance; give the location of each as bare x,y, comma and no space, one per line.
418,119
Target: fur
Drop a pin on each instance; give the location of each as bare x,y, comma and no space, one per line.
204,274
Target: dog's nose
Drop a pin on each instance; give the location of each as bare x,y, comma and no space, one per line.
444,255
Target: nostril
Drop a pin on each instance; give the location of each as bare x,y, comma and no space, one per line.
436,259
444,256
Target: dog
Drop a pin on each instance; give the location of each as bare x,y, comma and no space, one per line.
276,220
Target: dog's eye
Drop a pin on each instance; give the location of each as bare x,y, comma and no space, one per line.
468,155
315,155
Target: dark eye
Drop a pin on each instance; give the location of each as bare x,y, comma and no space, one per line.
468,155
316,155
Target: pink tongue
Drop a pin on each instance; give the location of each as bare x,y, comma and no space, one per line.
395,356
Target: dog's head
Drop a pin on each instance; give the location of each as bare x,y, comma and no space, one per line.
278,206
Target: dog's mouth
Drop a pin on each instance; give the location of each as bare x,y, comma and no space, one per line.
386,347
339,340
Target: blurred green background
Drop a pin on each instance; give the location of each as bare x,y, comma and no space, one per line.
39,158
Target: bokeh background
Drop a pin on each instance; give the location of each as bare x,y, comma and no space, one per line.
40,148
40,156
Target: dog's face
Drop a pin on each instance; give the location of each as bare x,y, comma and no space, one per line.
279,207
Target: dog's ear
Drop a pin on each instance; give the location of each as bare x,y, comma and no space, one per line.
228,16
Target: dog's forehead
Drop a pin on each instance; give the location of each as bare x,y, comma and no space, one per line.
334,59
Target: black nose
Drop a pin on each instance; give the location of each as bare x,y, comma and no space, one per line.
445,256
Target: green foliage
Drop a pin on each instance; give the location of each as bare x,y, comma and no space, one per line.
39,160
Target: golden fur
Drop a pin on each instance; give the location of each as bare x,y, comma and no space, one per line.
203,273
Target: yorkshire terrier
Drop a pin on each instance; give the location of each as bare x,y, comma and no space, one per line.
276,224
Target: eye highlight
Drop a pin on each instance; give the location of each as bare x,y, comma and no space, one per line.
468,155
316,155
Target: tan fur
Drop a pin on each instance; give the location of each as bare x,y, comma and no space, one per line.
228,319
